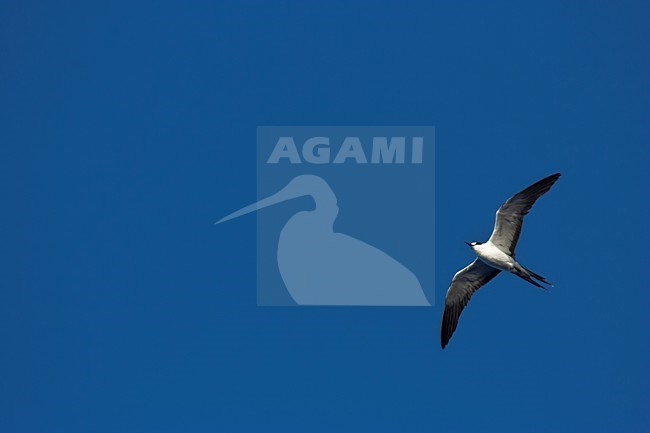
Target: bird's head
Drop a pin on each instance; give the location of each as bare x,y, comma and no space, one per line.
473,244
302,185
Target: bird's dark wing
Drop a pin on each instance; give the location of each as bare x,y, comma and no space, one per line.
510,215
466,281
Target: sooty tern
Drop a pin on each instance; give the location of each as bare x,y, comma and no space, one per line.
494,256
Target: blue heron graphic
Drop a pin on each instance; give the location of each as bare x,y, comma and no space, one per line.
322,267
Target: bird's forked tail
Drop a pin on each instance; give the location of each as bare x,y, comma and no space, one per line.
531,276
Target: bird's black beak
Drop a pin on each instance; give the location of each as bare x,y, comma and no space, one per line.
468,244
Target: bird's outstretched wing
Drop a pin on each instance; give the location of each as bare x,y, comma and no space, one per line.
466,281
510,215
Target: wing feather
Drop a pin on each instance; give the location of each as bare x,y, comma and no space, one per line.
510,216
466,281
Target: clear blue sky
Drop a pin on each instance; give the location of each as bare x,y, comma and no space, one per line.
128,129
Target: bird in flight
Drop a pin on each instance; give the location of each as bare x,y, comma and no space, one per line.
494,256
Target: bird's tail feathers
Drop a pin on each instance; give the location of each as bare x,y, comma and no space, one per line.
538,277
531,276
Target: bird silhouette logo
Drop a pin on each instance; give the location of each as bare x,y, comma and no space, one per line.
322,267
